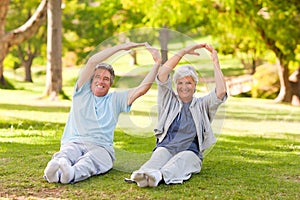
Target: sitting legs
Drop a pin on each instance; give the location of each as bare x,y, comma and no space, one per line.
164,166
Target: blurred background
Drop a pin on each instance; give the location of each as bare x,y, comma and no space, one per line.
258,41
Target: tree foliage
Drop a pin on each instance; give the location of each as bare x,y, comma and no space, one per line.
259,26
247,29
87,24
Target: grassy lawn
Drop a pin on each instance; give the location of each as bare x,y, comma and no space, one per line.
257,155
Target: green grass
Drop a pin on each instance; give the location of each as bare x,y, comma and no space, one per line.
257,155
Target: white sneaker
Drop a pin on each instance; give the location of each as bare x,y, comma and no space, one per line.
140,178
154,177
51,171
67,171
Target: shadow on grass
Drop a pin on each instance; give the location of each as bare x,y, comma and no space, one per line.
8,85
5,106
30,125
263,114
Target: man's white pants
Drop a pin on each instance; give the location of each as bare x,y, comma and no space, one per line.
174,169
86,159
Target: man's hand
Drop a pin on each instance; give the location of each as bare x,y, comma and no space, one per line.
155,53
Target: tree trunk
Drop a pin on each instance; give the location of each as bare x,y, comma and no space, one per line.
3,53
3,46
20,34
133,57
54,50
285,93
253,66
295,85
26,61
164,38
27,65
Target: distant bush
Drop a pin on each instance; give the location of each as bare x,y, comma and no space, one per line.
266,83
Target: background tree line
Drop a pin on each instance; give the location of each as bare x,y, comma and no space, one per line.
252,28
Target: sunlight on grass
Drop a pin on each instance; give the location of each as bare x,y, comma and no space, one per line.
261,118
256,155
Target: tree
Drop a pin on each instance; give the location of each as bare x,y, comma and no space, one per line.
54,50
251,27
88,23
265,25
20,34
28,50
178,15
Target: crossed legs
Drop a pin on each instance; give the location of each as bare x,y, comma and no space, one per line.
163,166
75,162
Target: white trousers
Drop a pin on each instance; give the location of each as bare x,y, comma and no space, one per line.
174,169
86,159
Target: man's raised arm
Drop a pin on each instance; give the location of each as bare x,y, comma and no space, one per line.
99,57
140,90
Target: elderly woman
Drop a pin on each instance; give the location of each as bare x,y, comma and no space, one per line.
183,131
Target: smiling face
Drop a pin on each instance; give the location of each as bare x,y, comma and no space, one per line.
185,88
101,82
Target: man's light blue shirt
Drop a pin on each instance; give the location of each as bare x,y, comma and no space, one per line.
93,119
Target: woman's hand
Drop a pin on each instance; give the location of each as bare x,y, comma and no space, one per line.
191,50
130,45
214,53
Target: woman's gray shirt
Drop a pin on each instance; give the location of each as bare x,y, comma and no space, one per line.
203,110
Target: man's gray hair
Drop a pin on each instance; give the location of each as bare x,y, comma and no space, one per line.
109,68
185,70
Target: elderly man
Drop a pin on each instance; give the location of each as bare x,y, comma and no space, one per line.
87,142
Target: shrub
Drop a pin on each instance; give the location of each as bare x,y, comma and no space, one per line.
266,83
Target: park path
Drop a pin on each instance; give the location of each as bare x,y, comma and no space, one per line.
236,85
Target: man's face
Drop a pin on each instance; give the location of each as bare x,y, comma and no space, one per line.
185,88
101,82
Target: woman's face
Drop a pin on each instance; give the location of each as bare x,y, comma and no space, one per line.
185,88
101,82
